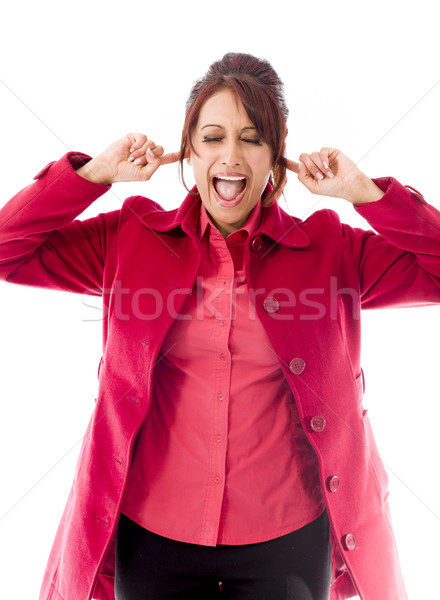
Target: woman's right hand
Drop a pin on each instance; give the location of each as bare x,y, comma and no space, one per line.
132,158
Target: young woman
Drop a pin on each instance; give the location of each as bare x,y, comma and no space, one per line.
228,453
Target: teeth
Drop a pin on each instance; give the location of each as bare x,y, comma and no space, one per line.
227,178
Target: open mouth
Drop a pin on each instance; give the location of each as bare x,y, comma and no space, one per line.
229,190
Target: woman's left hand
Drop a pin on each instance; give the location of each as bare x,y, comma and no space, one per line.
330,173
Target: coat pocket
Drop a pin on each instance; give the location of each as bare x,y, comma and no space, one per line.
99,366
360,386
376,464
360,382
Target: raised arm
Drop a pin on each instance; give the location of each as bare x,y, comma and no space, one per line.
401,265
43,244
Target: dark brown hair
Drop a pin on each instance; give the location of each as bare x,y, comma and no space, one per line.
261,92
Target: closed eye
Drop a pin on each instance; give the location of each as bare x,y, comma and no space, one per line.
255,141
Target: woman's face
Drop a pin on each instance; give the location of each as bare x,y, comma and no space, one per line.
232,165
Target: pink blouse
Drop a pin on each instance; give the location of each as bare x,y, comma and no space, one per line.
222,457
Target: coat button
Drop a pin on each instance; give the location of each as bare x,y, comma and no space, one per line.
257,243
317,424
297,365
271,304
349,541
333,483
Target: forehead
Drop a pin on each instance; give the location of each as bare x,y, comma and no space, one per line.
224,108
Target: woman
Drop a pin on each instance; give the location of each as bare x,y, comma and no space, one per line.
228,442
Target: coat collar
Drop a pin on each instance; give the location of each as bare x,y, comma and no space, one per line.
275,222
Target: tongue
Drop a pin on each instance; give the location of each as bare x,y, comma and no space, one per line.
229,190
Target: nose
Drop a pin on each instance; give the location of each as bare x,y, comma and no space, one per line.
231,153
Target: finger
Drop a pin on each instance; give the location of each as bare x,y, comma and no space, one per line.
157,151
149,169
292,165
137,140
169,158
312,169
140,153
317,159
174,157
324,154
147,154
156,158
152,155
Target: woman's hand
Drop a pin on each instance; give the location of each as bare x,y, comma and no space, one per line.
132,158
330,173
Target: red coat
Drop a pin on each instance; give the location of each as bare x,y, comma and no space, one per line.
309,277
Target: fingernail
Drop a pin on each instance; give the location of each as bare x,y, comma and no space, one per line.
131,158
137,161
330,174
150,152
132,149
319,175
325,165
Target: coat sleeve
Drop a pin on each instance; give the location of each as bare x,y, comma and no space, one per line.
400,264
41,242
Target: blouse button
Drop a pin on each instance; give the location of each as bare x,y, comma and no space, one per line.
220,397
222,323
222,357
271,304
317,424
297,365
218,438
216,479
257,243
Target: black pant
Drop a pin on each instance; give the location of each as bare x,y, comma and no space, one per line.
294,566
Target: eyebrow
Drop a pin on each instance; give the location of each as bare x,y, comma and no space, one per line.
214,125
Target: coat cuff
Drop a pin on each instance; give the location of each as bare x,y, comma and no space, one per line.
57,196
69,163
394,195
403,217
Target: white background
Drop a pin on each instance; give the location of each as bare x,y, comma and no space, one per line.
362,77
